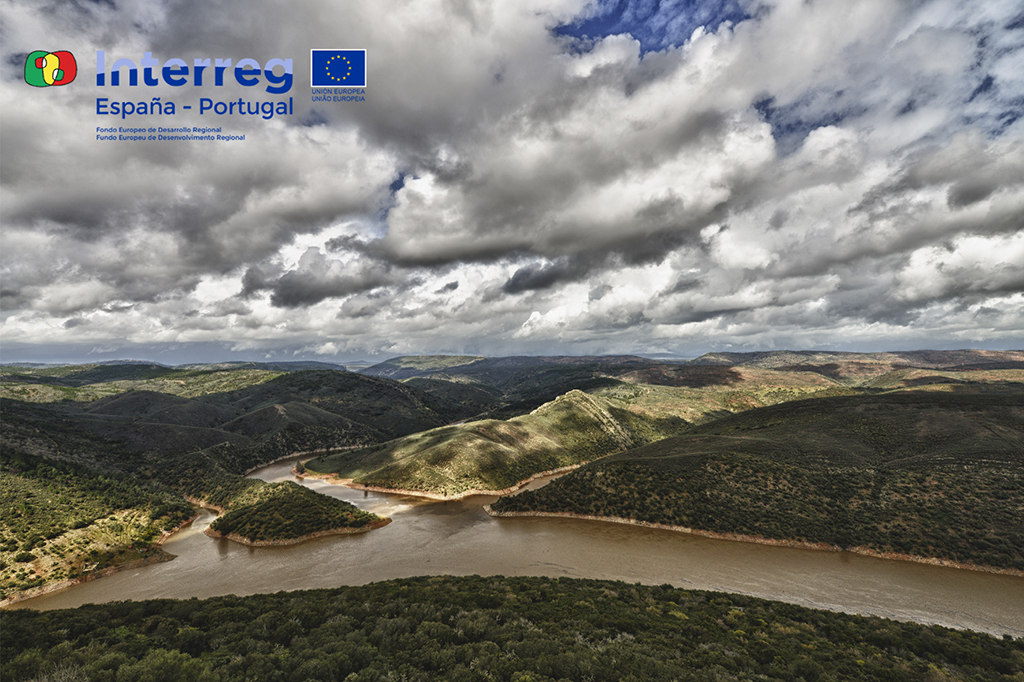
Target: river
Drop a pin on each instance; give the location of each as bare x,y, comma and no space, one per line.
459,538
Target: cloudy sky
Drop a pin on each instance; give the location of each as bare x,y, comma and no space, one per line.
530,177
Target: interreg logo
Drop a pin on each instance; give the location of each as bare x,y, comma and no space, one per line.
176,72
43,69
341,68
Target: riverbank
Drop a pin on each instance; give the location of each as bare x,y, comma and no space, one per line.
350,483
756,539
373,525
158,558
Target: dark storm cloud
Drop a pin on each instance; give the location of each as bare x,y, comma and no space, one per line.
691,316
296,289
317,278
258,278
684,284
529,278
350,242
778,219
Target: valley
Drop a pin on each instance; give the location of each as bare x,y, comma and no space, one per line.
912,455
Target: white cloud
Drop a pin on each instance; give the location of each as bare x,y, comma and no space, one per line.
822,173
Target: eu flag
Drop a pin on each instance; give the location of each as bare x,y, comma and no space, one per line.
337,68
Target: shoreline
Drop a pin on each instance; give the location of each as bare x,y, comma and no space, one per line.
334,479
373,525
209,532
160,557
757,539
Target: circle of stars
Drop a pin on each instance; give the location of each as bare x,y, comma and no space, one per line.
348,73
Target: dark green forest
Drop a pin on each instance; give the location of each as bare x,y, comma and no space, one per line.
919,473
489,628
288,511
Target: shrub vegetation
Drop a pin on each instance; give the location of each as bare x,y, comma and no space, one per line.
507,629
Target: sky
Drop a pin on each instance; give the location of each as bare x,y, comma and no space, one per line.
535,177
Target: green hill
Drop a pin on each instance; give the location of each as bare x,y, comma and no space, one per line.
917,456
707,387
493,454
929,359
73,502
521,384
472,399
928,474
388,407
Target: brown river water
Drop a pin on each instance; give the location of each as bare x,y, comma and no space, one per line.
459,538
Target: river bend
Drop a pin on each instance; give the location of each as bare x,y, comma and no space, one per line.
459,538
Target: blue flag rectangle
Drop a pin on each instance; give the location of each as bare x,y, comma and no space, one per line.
341,68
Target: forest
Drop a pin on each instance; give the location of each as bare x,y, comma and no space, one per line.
489,628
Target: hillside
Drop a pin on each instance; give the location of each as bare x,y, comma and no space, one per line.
522,383
490,628
62,521
75,503
472,399
703,394
161,433
495,455
709,386
409,366
263,414
925,359
928,474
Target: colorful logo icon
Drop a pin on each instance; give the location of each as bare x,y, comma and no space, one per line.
337,67
43,69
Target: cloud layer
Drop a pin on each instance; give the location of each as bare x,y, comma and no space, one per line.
535,177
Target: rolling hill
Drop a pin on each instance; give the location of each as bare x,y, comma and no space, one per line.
491,454
921,473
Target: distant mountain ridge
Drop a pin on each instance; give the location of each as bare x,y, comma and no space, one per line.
930,359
